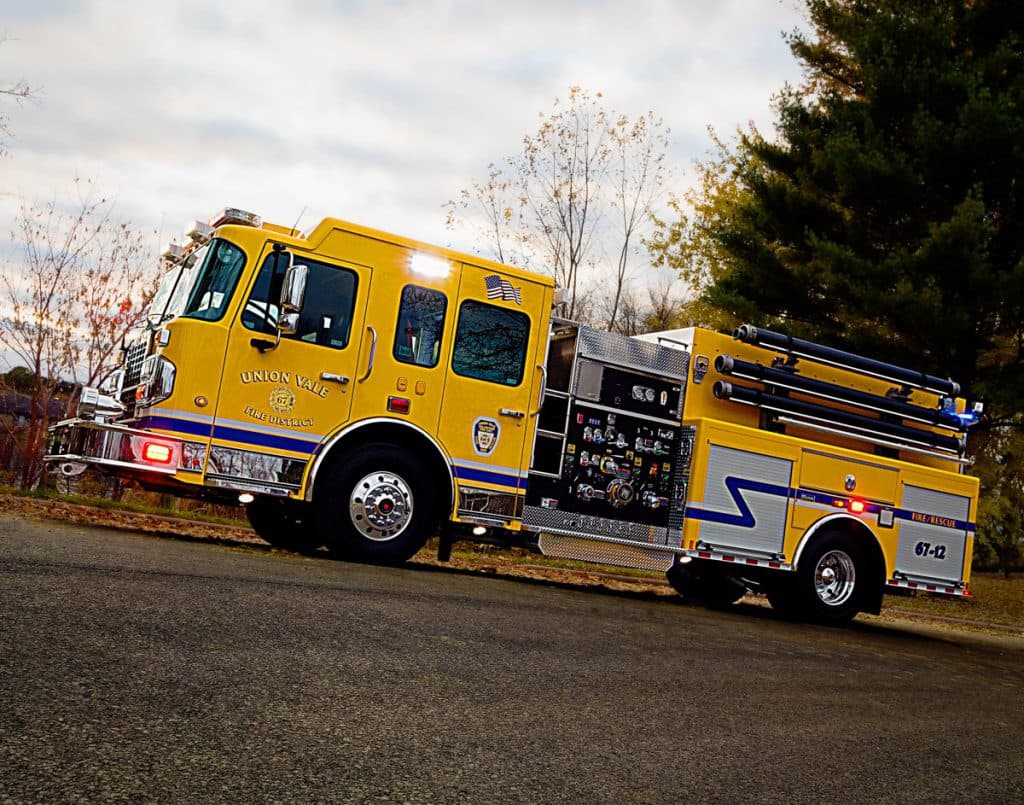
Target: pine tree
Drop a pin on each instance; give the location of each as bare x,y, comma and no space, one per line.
886,217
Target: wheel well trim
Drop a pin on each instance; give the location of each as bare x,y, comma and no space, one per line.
348,431
822,524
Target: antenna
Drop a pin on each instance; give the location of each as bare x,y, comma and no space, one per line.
295,229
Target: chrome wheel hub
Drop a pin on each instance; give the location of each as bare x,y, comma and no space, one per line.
380,506
835,576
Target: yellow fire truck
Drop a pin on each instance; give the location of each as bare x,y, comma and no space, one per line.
363,392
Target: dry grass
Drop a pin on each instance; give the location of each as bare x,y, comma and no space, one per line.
994,600
137,503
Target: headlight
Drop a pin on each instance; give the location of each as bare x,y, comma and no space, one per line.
112,385
157,381
94,405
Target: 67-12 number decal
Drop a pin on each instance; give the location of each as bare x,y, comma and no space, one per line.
927,549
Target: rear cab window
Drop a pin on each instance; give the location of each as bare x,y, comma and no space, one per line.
490,343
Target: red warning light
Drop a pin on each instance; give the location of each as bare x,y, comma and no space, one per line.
399,405
156,452
857,506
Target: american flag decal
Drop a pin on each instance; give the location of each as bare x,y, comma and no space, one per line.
497,288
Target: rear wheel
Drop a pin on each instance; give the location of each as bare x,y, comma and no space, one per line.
829,584
376,505
782,595
706,583
284,524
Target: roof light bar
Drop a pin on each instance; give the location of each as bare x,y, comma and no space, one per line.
173,253
233,215
199,232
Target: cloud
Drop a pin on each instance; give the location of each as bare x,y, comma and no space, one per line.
372,111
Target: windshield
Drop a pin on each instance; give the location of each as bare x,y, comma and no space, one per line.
169,300
214,281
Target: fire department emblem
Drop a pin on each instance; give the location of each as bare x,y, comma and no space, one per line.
485,435
282,399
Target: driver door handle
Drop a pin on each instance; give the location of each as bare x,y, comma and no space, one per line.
333,378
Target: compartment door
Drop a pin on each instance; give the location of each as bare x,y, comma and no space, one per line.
746,500
933,534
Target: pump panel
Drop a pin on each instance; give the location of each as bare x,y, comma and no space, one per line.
623,460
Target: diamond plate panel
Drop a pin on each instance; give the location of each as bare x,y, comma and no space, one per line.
477,500
632,353
585,525
605,553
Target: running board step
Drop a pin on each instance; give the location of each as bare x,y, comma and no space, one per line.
605,553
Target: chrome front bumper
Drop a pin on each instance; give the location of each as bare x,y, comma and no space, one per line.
76,442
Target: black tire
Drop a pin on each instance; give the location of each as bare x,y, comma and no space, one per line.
376,505
782,596
829,583
284,524
706,583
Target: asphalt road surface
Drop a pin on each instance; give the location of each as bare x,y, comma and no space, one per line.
144,669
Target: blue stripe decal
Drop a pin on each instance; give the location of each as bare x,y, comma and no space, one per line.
745,517
501,479
736,486
177,425
255,438
264,440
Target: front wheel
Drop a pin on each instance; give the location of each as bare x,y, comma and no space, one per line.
376,505
283,523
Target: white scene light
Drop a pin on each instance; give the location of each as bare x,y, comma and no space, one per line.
429,265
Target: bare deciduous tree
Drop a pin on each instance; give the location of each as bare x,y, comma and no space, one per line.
658,304
19,91
494,207
548,207
81,284
638,175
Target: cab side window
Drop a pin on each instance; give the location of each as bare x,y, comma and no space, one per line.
420,324
326,317
490,343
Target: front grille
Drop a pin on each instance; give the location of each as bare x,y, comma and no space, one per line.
133,360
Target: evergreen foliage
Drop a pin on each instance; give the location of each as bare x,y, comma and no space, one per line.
886,216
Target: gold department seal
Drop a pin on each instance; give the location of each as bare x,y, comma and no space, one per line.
282,399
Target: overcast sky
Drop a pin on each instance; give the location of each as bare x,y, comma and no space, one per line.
376,112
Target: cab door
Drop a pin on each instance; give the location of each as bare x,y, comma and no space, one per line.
486,421
278,403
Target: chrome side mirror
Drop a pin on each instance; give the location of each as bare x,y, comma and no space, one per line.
293,294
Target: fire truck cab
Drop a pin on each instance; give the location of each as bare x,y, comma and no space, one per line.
363,391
